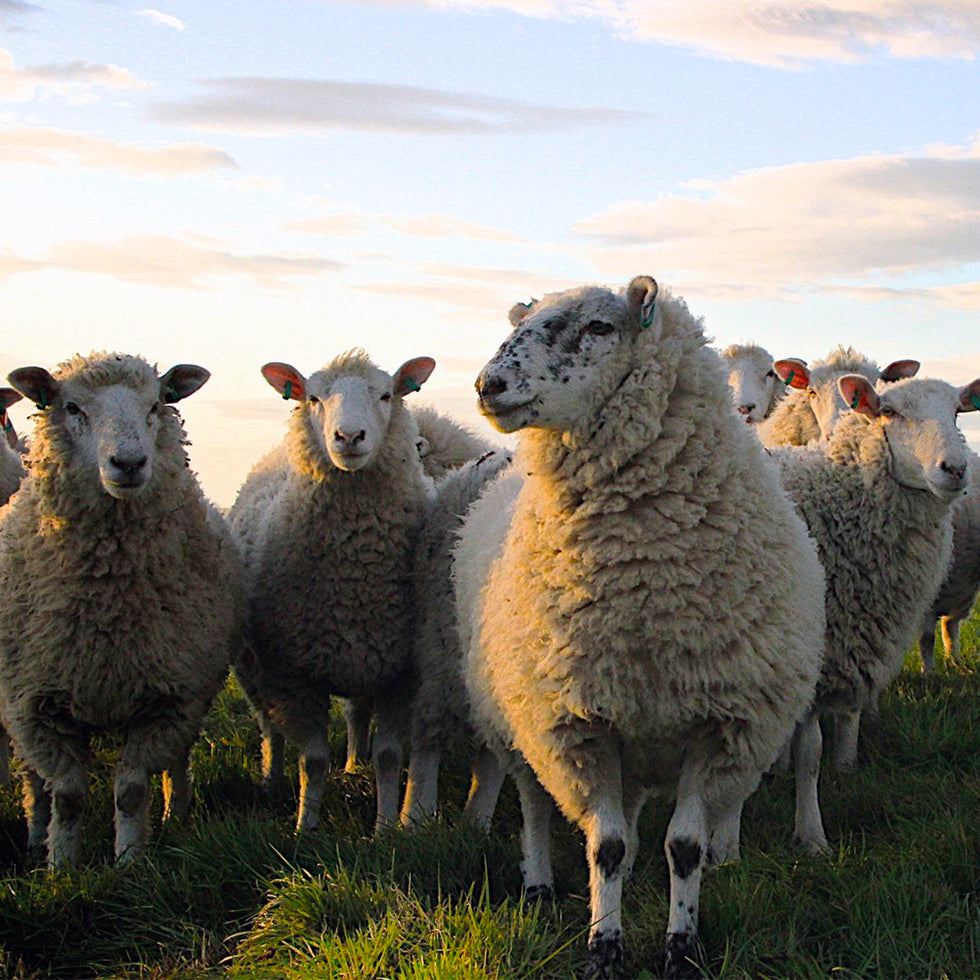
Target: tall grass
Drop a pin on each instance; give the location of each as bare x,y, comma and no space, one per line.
230,892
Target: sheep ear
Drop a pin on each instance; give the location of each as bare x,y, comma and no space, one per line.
970,397
412,375
900,369
285,379
182,380
35,384
641,299
518,311
8,397
859,395
792,372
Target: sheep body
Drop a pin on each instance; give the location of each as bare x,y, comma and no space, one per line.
121,599
625,630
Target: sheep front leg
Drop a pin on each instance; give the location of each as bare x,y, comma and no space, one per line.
807,750
37,811
314,761
536,810
422,789
68,798
273,751
132,796
847,729
391,718
686,849
177,788
357,717
485,785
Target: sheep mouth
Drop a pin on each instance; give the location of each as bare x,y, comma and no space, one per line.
505,417
948,490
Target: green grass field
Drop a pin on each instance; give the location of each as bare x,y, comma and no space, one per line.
231,892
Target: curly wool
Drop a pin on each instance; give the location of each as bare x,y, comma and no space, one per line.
448,444
654,584
112,610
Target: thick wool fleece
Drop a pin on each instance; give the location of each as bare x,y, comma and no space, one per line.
885,549
330,609
448,444
114,614
655,589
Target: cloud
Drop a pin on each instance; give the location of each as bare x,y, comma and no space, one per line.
11,265
160,260
433,226
41,146
783,33
267,106
11,10
165,20
837,222
72,80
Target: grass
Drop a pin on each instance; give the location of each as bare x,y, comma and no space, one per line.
230,892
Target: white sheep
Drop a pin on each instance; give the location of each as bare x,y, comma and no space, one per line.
440,708
625,631
120,592
814,406
756,388
958,593
329,564
876,499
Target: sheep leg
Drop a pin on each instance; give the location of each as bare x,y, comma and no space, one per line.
951,638
357,715
177,788
68,800
686,849
485,786
634,798
536,810
4,757
37,811
422,789
807,749
314,761
725,834
847,728
927,644
391,725
273,750
132,796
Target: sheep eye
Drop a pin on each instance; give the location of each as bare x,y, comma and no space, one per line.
72,409
386,397
888,412
600,328
155,409
313,400
811,393
770,374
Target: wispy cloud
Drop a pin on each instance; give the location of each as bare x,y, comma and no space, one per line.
783,33
12,10
42,146
165,20
804,225
273,105
73,80
435,226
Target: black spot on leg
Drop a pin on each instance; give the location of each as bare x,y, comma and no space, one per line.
609,856
605,957
685,855
683,957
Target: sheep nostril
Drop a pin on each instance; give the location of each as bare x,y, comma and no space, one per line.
745,409
958,471
488,387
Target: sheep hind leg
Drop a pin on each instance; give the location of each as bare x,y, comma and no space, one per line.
950,627
807,750
847,727
422,788
357,717
487,781
536,810
314,761
68,801
37,811
273,752
391,726
178,789
927,645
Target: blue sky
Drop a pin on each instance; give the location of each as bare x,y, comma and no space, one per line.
231,183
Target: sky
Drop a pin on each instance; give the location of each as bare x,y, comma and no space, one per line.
228,183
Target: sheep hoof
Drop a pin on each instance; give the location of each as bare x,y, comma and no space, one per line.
683,957
605,958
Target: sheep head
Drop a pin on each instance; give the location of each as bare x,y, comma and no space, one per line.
753,380
105,410
347,405
543,374
918,419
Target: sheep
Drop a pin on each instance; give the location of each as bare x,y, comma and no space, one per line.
624,631
958,592
120,593
814,406
440,711
756,389
876,499
329,565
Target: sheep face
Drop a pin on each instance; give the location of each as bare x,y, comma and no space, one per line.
107,413
752,380
544,374
918,419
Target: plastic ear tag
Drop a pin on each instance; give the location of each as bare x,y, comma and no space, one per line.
647,319
287,391
411,385
976,401
856,400
43,403
789,380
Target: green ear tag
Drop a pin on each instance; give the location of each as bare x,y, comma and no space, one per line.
856,400
287,391
411,385
647,320
789,380
976,401
43,403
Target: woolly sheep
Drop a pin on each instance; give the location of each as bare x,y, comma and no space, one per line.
814,406
625,632
329,559
756,389
120,592
958,593
876,499
440,709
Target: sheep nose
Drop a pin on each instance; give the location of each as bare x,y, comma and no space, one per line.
953,469
745,409
130,467
350,438
489,387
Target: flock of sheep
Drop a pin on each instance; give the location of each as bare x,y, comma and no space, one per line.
660,594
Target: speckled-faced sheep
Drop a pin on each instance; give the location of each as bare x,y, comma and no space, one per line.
330,565
756,388
640,605
440,709
876,499
120,591
814,406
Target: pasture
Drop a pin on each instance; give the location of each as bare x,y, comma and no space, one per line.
230,892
